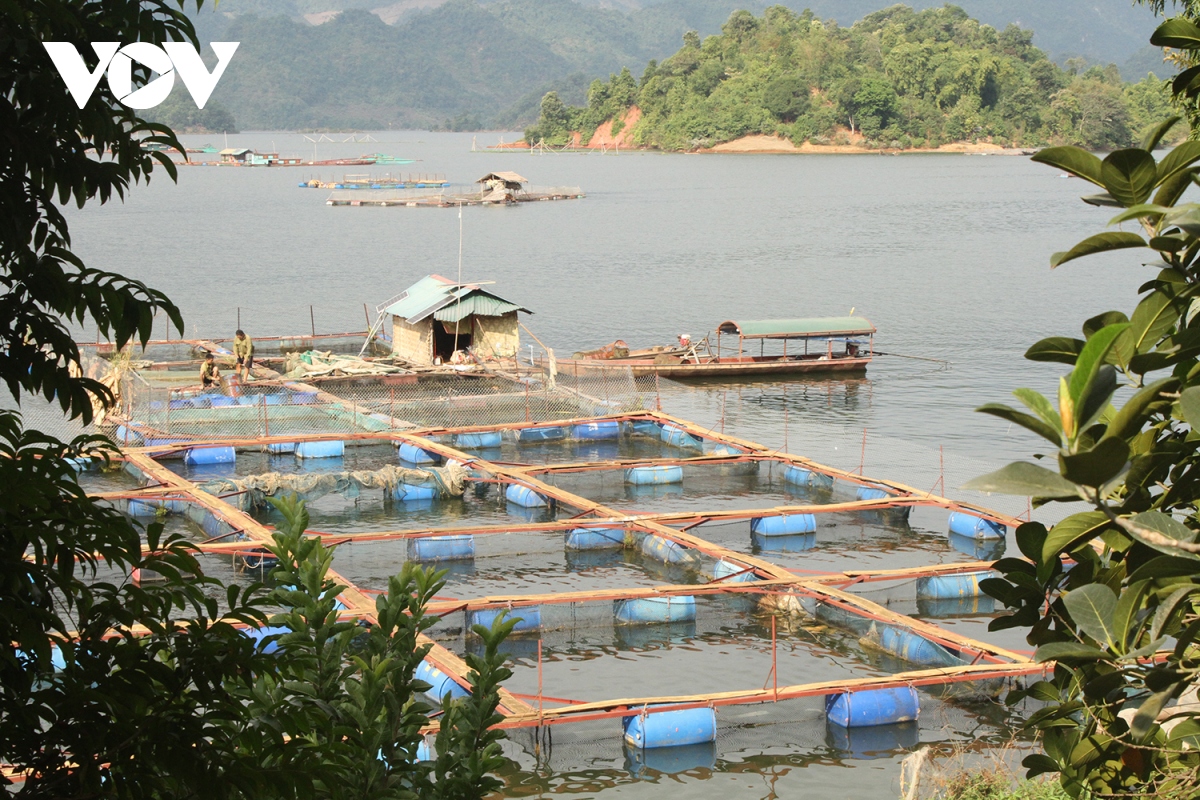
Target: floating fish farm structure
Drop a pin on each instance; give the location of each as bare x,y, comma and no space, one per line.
680,592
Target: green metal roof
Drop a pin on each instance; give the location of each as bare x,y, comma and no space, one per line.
482,303
799,328
436,295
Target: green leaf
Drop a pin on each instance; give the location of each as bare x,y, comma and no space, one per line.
1167,608
1059,651
1102,321
1075,160
1027,421
1102,200
1097,466
1072,532
1038,764
1131,417
1129,175
1125,626
1168,526
1090,360
1176,32
1099,243
1172,189
1059,349
1155,134
1092,607
1189,406
1179,159
1024,479
1038,404
1154,316
1147,713
1138,211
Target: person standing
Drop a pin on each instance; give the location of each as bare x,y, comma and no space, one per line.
243,348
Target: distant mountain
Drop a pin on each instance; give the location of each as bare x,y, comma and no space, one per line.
462,63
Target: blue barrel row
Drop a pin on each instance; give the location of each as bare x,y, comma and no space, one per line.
655,728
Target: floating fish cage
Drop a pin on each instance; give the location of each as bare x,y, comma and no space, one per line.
808,606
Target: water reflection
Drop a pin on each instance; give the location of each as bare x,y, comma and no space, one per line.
646,763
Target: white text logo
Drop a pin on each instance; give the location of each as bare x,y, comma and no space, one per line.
166,60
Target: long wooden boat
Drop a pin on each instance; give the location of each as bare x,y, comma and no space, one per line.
819,344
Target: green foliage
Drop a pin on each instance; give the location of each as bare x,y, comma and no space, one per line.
111,688
895,76
1121,712
180,114
995,785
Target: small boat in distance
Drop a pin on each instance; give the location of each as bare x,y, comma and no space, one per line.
817,344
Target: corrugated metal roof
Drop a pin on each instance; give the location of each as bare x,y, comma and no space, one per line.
233,151
433,293
476,302
812,326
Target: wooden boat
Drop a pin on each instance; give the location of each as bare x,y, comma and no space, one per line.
817,344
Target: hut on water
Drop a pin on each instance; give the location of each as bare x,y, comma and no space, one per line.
436,316
500,187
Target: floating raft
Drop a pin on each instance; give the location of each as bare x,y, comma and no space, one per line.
429,181
448,196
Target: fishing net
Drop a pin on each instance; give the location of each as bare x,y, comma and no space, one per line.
251,492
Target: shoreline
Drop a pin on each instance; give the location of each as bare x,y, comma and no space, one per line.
762,144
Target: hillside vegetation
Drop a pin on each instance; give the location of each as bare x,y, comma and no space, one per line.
898,78
471,64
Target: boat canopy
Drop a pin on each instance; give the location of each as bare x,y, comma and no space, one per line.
813,327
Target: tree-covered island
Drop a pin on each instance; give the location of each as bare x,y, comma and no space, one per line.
896,79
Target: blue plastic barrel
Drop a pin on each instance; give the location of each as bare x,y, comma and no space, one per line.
80,464
723,569
477,441
442,548
876,741
595,539
408,492
678,437
415,455
220,400
796,543
280,448
440,683
710,448
956,607
258,634
784,525
424,752
872,707
649,764
172,405
949,587
143,508
871,493
550,434
249,400
806,477
123,435
603,429
978,549
916,649
209,455
655,609
975,527
645,427
273,399
321,449
651,476
671,728
522,495
259,560
304,398
667,551
529,618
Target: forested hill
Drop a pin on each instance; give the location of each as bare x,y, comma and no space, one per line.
487,63
896,79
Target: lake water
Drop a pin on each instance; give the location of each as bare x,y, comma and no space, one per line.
946,254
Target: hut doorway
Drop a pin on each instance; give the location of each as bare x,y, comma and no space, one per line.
444,339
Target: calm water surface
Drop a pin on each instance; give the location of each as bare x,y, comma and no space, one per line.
947,255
